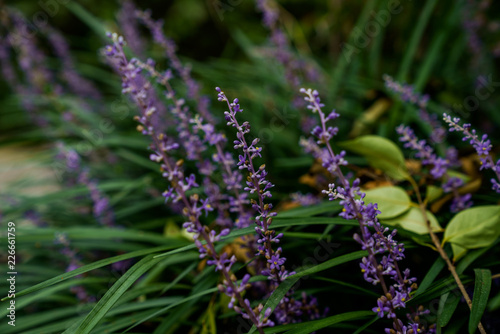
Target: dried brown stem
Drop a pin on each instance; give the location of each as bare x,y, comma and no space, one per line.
437,244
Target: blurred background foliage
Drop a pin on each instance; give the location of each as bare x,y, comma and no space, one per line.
224,42
427,44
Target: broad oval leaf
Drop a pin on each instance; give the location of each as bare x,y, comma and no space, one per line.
433,193
381,153
391,201
475,227
414,221
458,251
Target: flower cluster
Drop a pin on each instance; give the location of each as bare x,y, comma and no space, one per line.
407,93
439,169
196,131
29,74
168,45
196,136
34,77
127,20
384,252
481,145
258,184
189,128
460,202
182,185
289,310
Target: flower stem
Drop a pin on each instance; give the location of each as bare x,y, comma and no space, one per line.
437,244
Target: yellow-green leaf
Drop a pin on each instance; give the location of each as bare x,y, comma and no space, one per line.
381,153
475,227
458,251
414,221
433,193
392,201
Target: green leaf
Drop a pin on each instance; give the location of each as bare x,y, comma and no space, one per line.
83,269
285,222
95,24
458,251
414,221
29,300
430,276
433,193
96,233
138,159
447,306
418,31
494,303
482,288
308,327
345,59
437,45
381,153
330,263
116,324
195,297
471,257
437,289
349,285
276,297
42,318
277,223
112,296
474,228
365,326
309,211
392,201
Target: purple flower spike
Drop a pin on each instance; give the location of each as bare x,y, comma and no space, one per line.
424,151
482,147
258,184
381,308
374,238
129,27
439,165
408,94
193,206
289,310
170,48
